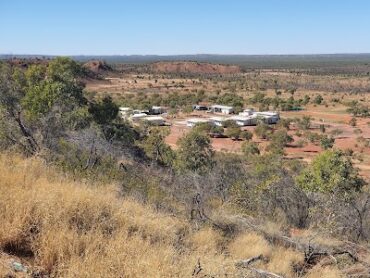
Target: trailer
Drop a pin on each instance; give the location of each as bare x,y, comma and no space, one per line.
154,120
124,112
219,121
194,121
198,107
244,120
156,110
269,117
223,109
138,117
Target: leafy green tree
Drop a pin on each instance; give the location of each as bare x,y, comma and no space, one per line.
204,128
195,153
60,86
156,148
35,74
231,99
104,111
69,73
45,100
41,97
19,78
122,133
233,132
331,171
262,130
64,69
78,118
14,130
266,169
279,140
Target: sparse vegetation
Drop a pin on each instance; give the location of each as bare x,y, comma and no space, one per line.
85,192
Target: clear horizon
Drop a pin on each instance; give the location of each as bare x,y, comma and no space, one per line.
193,54
166,28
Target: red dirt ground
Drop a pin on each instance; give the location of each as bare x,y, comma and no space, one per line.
346,140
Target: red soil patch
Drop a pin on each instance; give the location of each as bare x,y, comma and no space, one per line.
347,139
176,133
338,118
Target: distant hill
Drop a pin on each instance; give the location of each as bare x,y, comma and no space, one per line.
332,63
222,59
97,66
25,62
193,67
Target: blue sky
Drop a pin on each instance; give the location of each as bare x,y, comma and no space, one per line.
109,27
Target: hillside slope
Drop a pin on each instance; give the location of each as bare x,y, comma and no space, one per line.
60,228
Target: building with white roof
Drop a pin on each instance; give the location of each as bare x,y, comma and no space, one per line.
199,107
244,120
219,121
269,117
154,120
139,116
124,112
156,110
194,121
137,111
222,109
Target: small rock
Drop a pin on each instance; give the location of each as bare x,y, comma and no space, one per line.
18,267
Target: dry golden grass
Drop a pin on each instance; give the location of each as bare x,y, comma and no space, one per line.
4,269
206,241
327,272
318,238
70,229
249,245
283,260
75,230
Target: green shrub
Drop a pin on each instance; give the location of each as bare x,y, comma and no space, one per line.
233,132
195,153
246,135
262,130
318,99
250,148
327,142
331,171
156,148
